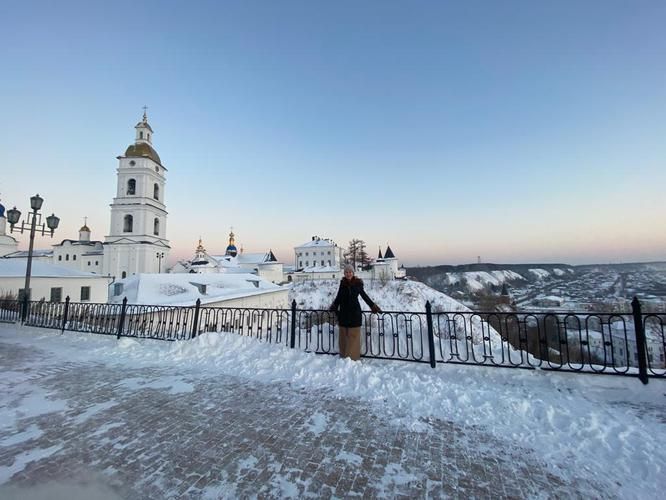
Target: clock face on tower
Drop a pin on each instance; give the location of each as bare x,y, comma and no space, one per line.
132,163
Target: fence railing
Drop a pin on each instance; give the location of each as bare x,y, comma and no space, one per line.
632,344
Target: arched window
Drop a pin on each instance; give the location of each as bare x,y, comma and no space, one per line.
131,186
156,192
156,227
140,135
124,275
128,225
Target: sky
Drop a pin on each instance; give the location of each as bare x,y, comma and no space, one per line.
507,131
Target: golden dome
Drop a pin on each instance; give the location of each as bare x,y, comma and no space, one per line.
84,228
143,149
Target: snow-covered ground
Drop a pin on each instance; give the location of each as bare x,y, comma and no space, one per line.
394,295
403,297
607,429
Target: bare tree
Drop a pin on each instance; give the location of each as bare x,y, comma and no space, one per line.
356,254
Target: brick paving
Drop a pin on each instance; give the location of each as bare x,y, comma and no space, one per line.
149,433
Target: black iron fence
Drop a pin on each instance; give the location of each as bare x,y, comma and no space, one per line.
632,344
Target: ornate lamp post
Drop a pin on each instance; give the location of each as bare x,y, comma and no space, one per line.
34,224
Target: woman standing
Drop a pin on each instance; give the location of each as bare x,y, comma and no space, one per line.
349,313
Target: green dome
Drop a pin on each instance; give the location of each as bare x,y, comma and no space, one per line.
143,149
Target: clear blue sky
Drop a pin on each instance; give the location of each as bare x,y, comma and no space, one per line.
517,131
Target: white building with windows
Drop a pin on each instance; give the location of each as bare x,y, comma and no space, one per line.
52,283
265,265
318,253
137,241
313,263
83,254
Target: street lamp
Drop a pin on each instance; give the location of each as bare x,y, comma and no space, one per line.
160,256
34,224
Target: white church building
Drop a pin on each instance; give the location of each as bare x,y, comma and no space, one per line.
265,265
134,254
136,242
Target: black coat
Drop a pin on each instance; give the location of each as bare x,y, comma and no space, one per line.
346,302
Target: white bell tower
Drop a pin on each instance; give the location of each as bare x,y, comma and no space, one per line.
137,241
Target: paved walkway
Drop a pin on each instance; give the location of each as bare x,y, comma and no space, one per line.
150,433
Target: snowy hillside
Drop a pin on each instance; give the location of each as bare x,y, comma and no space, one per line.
478,279
475,281
408,296
391,296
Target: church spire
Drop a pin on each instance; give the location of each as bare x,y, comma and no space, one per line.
84,232
231,248
200,255
143,129
200,248
379,257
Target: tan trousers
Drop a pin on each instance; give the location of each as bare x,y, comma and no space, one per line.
350,343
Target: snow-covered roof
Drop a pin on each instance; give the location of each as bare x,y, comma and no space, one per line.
79,243
186,288
226,261
256,258
244,259
12,268
23,254
317,243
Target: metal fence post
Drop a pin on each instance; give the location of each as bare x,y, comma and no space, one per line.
292,341
64,316
431,336
122,318
24,308
195,326
640,340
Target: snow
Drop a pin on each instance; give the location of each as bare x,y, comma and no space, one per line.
24,459
317,242
540,273
393,295
408,298
186,288
317,423
478,280
578,422
14,268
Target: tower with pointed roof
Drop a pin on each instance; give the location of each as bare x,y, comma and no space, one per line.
200,256
137,242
